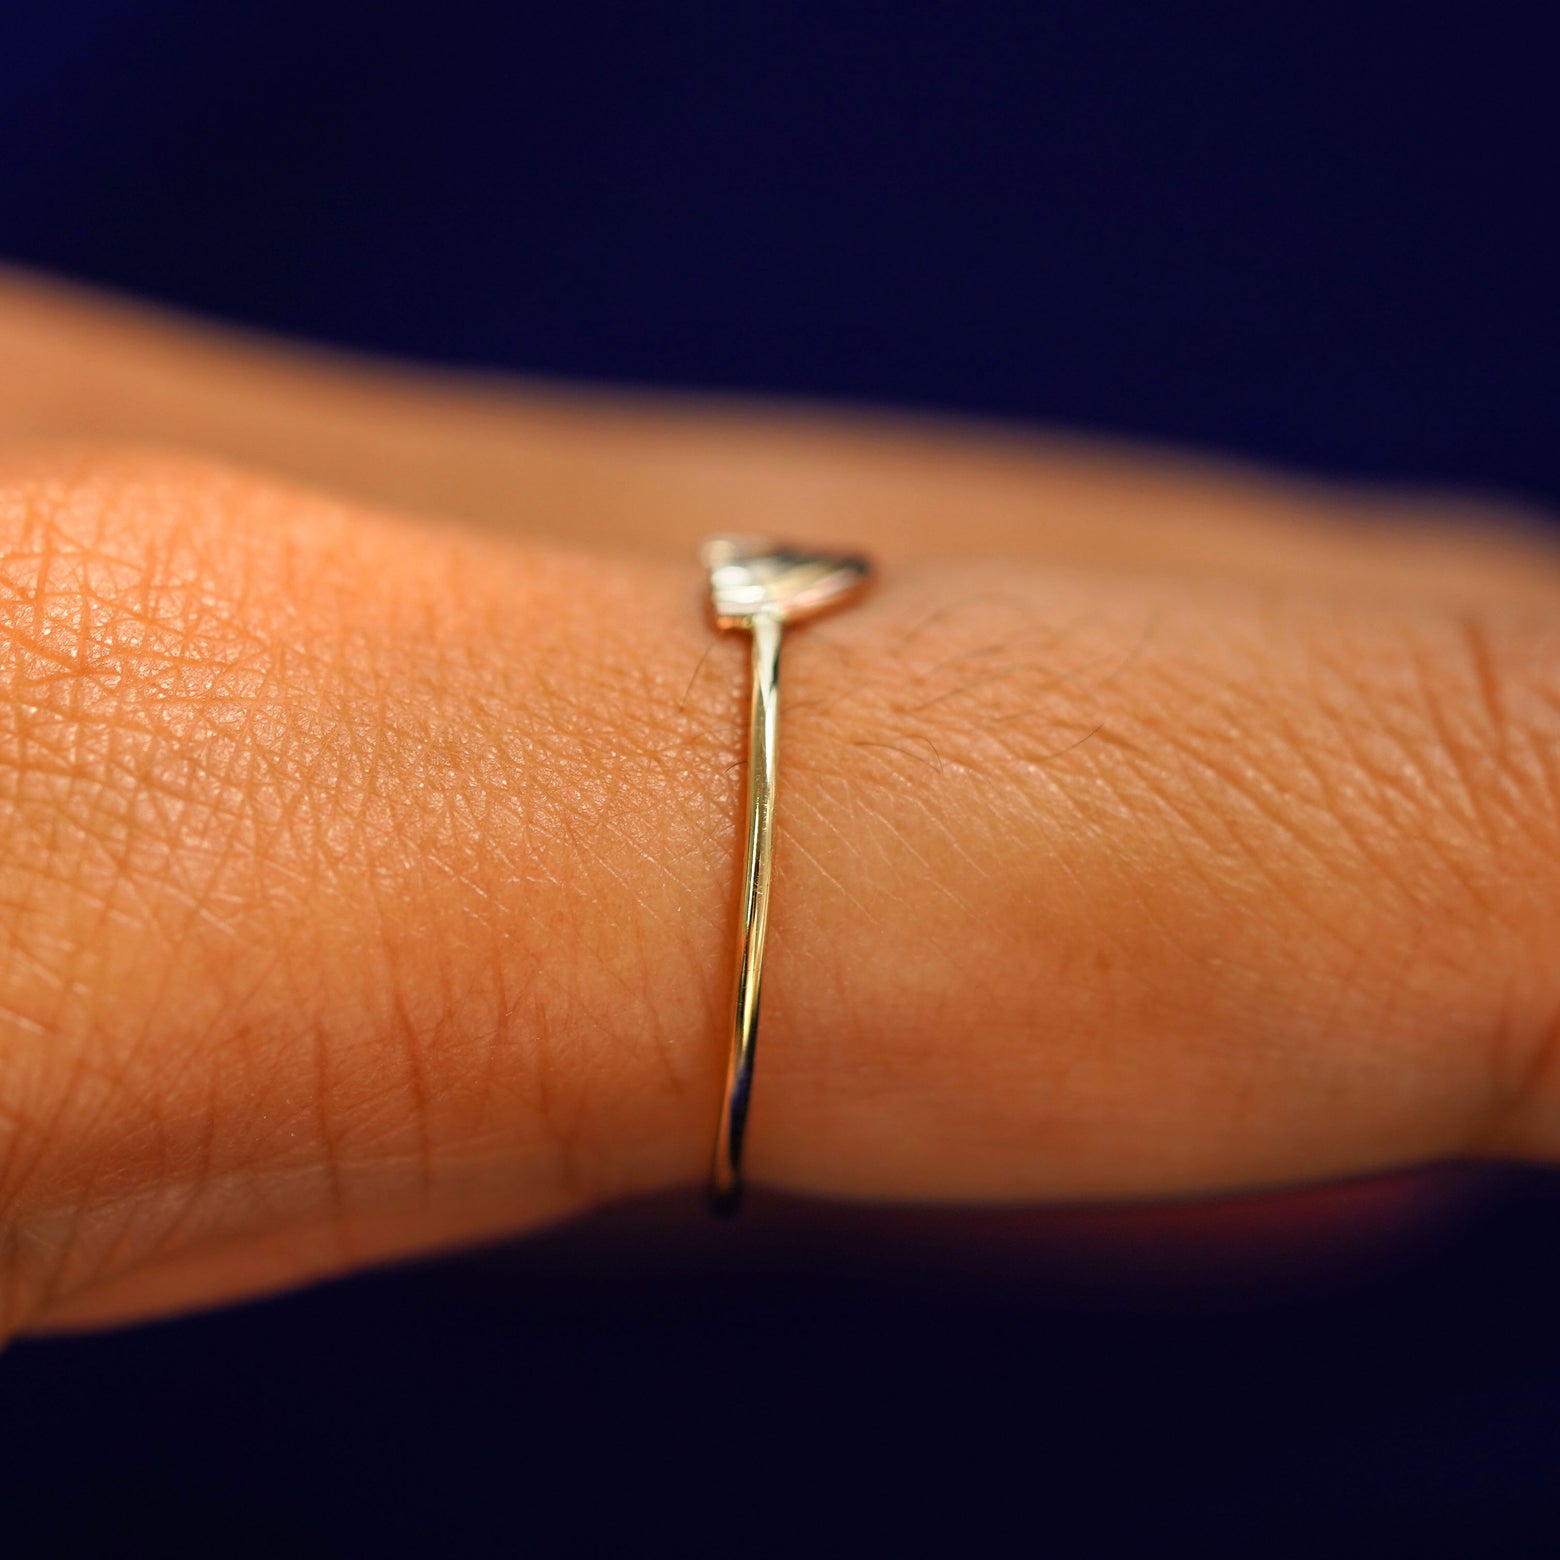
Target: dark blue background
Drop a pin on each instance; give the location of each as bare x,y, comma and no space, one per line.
1317,234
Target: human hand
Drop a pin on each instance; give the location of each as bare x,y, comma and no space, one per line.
367,880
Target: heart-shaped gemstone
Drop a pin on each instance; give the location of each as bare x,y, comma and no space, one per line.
750,575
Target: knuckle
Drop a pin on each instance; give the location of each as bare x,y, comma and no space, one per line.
122,671
1426,744
122,685
1464,716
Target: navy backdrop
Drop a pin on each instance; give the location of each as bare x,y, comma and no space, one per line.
1319,235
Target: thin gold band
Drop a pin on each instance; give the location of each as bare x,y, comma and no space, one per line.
753,916
759,587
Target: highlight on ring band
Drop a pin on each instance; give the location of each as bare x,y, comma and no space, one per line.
759,586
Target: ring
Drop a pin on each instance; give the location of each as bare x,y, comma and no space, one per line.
760,586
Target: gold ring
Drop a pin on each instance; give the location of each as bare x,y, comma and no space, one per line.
760,586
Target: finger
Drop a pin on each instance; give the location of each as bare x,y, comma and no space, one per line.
593,469
369,889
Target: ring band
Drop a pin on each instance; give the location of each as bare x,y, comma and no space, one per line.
759,587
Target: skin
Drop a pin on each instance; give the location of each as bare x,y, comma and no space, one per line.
371,781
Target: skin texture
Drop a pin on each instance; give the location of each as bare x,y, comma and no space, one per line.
371,786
